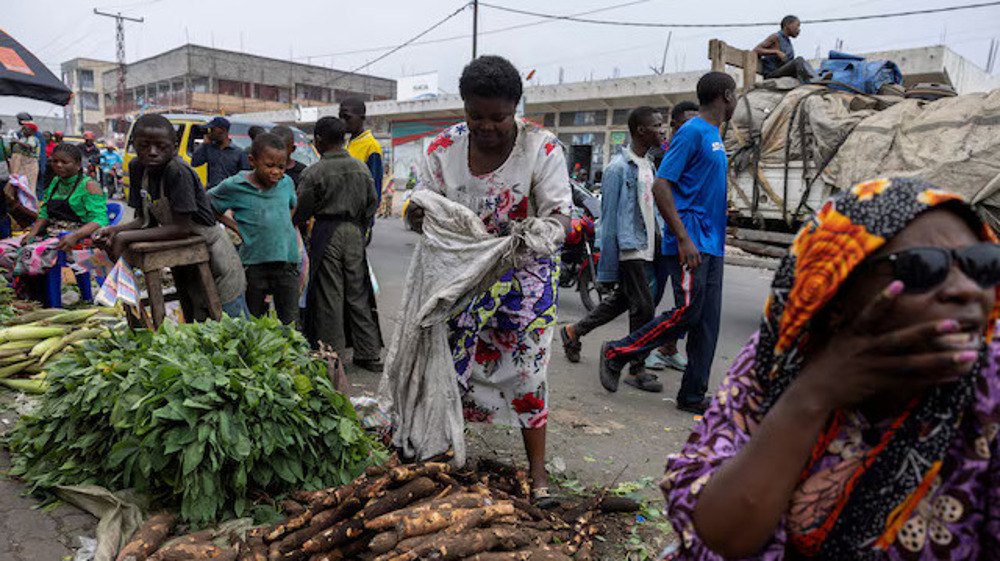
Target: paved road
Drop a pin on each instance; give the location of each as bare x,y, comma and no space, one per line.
596,434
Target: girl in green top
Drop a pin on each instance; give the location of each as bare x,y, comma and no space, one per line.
74,207
73,201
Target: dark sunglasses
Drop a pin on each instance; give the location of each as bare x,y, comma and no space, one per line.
924,268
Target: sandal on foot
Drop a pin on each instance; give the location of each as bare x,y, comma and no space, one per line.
645,381
570,347
544,500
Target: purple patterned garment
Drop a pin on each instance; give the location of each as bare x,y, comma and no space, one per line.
958,519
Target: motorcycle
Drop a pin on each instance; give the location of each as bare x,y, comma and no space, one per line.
578,257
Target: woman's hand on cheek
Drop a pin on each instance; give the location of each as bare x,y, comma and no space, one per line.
859,361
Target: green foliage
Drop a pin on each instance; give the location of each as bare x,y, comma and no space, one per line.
200,416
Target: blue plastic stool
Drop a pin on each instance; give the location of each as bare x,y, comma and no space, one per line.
53,278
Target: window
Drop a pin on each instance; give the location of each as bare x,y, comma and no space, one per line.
312,93
620,116
582,118
199,84
90,101
86,79
550,120
267,93
234,88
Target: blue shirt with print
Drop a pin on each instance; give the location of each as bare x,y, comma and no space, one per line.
263,215
696,163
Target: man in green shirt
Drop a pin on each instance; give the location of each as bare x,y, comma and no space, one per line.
338,191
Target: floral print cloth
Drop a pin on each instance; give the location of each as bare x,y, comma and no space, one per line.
38,257
501,340
920,486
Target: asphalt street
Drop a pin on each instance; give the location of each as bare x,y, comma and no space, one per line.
594,434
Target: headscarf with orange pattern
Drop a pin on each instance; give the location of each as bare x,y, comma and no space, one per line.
851,226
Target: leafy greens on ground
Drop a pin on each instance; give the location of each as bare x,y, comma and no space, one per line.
201,416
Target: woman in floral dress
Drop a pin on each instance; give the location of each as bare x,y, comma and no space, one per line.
505,169
861,421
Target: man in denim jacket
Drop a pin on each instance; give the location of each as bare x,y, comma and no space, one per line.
628,243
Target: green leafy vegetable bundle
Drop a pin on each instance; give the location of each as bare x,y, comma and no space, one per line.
202,415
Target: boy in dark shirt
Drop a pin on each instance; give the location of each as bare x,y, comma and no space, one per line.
170,203
293,168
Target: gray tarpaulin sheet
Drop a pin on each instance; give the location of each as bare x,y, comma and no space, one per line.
953,143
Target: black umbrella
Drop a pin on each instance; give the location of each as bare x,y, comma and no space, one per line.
23,75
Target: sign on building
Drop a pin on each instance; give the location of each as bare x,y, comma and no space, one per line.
421,86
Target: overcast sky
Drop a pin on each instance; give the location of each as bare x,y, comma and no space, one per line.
326,33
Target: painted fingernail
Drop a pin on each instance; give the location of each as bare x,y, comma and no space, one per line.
895,288
948,326
965,357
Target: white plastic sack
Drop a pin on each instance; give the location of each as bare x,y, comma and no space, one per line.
455,260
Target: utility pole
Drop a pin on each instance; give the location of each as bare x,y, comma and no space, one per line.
475,26
120,48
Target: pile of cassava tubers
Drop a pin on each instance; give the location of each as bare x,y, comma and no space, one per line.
401,513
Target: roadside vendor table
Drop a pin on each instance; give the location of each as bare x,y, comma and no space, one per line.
152,257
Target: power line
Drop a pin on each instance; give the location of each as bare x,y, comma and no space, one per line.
404,44
745,24
467,35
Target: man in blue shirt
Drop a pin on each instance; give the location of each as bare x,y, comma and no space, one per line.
224,160
690,193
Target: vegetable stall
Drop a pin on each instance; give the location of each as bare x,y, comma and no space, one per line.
240,445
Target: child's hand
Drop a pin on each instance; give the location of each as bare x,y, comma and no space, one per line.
27,240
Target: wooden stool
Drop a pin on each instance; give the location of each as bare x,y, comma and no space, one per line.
152,257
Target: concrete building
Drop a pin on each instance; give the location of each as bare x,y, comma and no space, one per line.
196,79
86,110
591,118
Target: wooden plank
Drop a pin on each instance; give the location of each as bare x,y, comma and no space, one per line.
764,236
211,294
757,248
154,286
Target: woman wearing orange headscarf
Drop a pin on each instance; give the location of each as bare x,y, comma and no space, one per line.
861,421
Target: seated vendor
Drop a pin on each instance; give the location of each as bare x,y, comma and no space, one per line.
73,208
861,421
777,55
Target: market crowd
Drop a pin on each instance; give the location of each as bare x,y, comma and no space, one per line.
859,422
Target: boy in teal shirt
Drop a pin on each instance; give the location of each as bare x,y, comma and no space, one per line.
262,201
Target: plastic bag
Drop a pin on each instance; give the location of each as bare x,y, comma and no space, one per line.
120,286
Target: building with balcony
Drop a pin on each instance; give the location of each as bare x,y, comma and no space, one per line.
197,79
86,110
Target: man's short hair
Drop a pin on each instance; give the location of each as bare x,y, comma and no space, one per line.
331,129
681,108
152,121
638,117
255,130
285,133
355,102
266,140
491,77
788,20
714,85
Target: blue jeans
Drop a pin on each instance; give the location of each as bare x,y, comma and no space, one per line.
697,311
237,308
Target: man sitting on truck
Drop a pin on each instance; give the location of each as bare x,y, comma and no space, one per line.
777,55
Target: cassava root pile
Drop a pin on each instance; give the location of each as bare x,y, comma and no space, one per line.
406,513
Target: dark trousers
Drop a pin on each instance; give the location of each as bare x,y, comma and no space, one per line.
281,281
795,68
697,312
632,295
